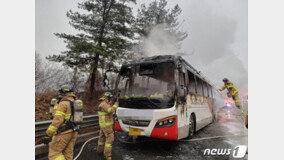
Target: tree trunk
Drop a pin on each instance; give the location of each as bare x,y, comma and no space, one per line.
93,75
75,79
96,61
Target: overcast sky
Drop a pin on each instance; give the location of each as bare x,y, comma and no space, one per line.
218,33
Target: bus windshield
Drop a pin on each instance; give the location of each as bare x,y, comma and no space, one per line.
147,86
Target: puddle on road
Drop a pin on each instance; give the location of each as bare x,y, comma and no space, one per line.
231,122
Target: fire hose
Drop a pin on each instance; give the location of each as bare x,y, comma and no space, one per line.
117,95
81,150
152,140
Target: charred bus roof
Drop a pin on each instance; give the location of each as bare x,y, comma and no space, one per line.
166,58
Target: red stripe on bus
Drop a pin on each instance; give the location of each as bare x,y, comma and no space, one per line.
170,133
117,127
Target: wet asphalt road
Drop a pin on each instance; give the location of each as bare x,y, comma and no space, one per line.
229,122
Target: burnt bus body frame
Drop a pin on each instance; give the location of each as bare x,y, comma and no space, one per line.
180,66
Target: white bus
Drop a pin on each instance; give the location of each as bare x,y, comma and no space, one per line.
162,97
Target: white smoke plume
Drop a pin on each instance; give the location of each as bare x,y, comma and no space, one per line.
217,34
159,42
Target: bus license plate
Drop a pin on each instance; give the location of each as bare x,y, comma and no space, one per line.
134,132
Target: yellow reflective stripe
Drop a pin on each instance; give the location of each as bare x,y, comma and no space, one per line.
114,106
102,113
103,119
55,107
102,124
109,109
235,92
100,143
109,123
107,145
52,128
67,117
106,124
223,88
60,157
59,113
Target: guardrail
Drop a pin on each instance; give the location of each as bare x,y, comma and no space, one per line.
88,121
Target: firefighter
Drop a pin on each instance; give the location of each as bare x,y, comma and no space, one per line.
106,137
232,91
62,130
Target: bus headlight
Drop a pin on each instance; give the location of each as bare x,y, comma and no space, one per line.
166,122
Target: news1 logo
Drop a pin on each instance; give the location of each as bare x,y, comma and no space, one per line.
238,152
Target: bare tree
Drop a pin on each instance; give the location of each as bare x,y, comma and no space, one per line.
49,76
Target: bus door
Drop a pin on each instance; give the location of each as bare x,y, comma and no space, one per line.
182,110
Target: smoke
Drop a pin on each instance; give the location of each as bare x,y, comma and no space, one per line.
217,35
159,42
218,32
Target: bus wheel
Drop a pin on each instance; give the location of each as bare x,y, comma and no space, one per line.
191,127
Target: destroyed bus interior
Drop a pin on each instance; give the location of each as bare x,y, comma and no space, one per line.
154,82
147,86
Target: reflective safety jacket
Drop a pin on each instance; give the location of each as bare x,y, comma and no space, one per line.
55,108
106,112
56,105
232,89
62,113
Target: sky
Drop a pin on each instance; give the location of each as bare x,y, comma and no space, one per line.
218,34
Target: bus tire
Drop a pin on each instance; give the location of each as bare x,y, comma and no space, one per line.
191,126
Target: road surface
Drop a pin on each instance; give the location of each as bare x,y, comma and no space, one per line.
229,122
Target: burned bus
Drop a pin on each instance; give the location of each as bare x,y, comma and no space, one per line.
162,97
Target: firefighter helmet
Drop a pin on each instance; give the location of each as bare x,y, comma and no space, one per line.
65,89
108,95
225,80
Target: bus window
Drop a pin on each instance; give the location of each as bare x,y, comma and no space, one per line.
195,79
191,83
182,86
147,86
199,86
211,91
208,89
205,89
